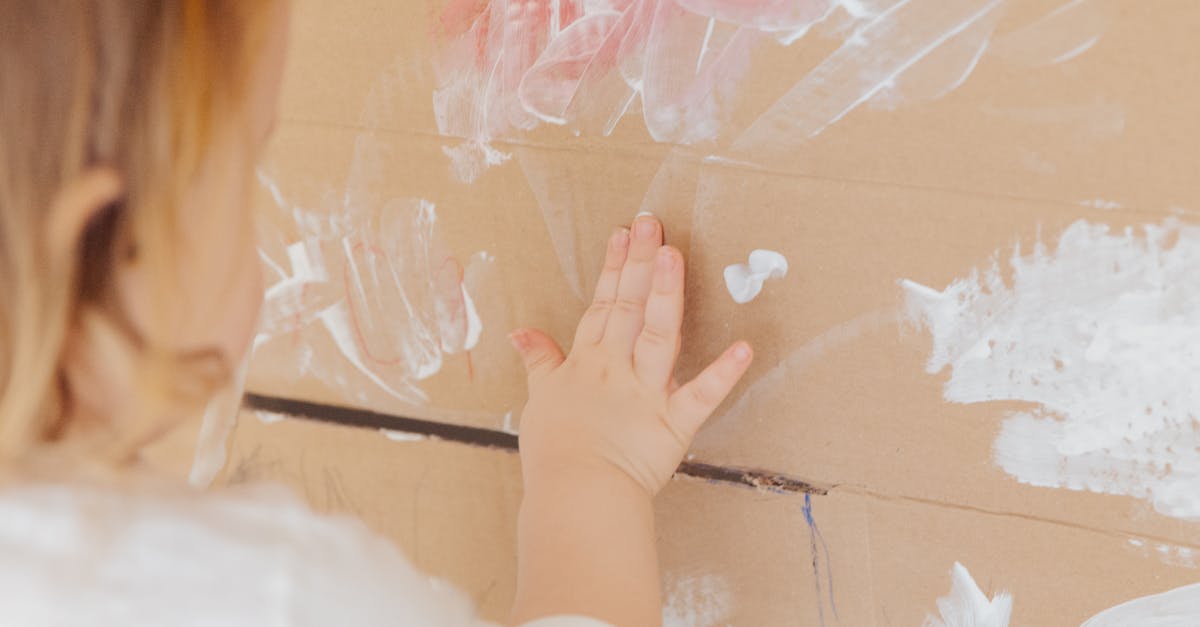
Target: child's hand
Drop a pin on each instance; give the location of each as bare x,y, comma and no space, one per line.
611,406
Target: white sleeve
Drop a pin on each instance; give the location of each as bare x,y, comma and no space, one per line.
567,621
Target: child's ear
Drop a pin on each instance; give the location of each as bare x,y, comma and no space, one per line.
75,205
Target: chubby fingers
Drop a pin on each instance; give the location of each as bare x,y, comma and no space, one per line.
695,401
657,345
628,311
539,352
591,326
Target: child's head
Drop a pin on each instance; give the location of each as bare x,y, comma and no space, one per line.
128,136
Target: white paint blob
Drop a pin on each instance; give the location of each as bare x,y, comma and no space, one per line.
1176,608
745,280
968,606
1101,338
697,601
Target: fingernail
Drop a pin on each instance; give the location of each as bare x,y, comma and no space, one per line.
519,339
643,213
666,259
741,352
620,238
645,228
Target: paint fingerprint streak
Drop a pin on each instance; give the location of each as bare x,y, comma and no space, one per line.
1099,336
1175,608
820,563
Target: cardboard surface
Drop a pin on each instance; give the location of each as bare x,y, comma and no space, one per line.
929,189
730,555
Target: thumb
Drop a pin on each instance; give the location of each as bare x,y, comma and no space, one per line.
539,351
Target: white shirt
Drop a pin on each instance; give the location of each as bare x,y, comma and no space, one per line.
78,555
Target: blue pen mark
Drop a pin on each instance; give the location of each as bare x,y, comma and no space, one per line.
820,556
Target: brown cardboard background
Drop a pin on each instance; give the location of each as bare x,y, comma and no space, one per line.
926,192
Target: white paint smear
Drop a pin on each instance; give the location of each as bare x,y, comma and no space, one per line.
1099,119
367,287
220,417
968,606
470,159
1176,608
697,601
1061,35
863,66
506,66
1100,336
745,280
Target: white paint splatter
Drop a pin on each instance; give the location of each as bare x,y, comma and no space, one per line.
1176,608
968,606
1101,336
745,280
697,601
1172,554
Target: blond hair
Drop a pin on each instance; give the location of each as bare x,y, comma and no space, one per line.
137,86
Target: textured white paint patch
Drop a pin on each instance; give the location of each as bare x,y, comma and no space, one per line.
968,606
697,601
1176,608
1101,336
745,280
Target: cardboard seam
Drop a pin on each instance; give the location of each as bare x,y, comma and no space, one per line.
716,161
1119,534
